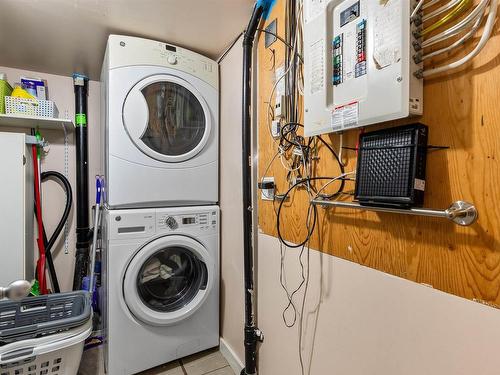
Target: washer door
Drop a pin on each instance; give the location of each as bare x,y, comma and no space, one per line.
168,280
167,118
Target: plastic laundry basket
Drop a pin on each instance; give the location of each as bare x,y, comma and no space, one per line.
44,335
57,354
38,316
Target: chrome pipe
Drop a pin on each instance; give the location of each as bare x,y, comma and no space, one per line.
460,212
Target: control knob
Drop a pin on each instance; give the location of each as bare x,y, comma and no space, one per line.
172,59
171,222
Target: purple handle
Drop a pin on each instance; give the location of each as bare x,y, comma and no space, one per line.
98,189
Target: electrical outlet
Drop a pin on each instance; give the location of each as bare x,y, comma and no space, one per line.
267,193
279,107
276,128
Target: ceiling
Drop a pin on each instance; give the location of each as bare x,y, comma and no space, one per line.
64,36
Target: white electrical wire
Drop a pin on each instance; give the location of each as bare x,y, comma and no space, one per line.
428,4
287,166
417,8
300,38
440,10
459,27
458,43
341,149
332,181
274,89
488,28
296,46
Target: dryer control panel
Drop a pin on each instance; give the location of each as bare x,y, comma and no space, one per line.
125,51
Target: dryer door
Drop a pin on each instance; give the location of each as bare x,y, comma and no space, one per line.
168,279
167,118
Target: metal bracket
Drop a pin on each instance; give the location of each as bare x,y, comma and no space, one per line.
460,212
31,140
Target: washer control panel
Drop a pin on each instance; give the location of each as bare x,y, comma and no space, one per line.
205,222
144,223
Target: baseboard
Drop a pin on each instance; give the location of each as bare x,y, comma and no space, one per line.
231,356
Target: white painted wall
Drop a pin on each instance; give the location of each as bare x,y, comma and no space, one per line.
360,321
232,298
61,92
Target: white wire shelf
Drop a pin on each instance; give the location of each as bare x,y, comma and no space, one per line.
22,121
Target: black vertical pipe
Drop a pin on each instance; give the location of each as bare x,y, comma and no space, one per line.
252,334
80,83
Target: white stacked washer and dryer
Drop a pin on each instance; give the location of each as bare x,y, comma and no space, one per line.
161,223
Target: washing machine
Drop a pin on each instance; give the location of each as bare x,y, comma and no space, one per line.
161,277
160,124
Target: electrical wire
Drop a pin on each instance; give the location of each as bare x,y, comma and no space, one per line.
318,194
416,10
278,218
459,9
341,167
291,304
488,28
459,27
231,45
441,10
456,44
429,4
289,46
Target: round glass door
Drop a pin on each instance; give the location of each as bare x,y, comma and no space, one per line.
166,118
167,280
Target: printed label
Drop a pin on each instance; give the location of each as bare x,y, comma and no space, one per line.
345,116
317,62
419,184
81,119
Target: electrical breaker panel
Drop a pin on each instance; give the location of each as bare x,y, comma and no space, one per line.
359,67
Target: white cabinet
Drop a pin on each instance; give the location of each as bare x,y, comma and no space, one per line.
16,209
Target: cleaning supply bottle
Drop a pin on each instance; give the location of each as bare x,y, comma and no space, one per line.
19,92
5,90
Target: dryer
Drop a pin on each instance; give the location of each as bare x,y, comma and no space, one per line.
161,277
160,124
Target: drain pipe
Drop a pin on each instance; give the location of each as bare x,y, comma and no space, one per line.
83,236
252,334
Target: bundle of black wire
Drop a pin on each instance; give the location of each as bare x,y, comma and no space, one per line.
49,242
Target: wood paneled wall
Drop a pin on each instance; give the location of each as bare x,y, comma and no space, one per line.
462,111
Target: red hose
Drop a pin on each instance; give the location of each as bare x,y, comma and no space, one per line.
40,267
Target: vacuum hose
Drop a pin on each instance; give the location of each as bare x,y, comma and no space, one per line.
49,243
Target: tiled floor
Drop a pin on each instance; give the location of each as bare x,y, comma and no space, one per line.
210,362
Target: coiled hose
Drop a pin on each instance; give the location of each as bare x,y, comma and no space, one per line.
49,242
